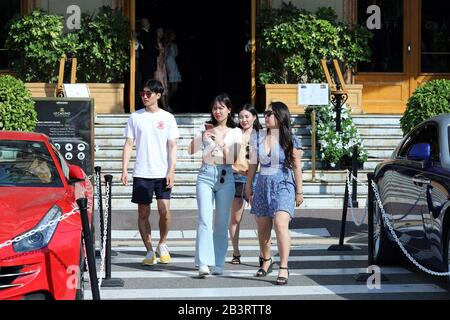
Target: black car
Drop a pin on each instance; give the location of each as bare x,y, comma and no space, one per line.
414,189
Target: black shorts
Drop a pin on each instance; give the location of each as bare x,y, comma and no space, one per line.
239,187
143,190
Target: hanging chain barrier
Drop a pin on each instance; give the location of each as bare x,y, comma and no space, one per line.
40,229
104,238
349,175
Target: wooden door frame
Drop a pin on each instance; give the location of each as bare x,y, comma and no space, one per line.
402,84
130,12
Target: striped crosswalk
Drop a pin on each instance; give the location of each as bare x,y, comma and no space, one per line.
315,273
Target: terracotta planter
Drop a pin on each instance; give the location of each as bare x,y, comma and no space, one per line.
108,97
287,93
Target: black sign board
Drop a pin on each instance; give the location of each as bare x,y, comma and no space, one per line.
69,123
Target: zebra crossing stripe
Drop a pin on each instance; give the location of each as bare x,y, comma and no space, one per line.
191,234
291,291
249,273
255,259
303,247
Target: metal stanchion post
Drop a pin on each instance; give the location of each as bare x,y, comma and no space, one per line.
370,209
341,246
89,245
108,281
355,174
98,188
313,145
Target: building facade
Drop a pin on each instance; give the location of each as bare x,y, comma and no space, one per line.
410,45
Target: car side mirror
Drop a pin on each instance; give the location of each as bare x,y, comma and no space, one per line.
76,174
419,152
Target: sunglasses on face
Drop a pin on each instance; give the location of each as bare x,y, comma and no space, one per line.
147,94
268,113
222,176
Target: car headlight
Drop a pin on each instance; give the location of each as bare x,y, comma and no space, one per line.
41,238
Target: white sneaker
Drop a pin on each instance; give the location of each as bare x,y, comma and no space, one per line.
217,271
163,251
203,271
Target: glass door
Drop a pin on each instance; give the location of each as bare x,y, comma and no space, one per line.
410,46
435,41
385,78
432,59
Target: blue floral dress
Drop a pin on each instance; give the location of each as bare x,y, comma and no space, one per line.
275,187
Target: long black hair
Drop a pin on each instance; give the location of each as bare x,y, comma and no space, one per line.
251,108
225,100
281,112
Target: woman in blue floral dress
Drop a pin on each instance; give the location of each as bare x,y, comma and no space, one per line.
279,186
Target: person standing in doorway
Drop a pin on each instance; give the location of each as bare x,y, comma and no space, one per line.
220,141
161,71
155,133
250,125
173,74
147,52
279,187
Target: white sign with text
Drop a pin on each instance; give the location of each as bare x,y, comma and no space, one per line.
312,94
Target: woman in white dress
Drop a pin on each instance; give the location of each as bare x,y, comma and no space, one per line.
174,76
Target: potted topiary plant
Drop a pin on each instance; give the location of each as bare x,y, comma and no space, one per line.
16,105
101,47
429,100
292,43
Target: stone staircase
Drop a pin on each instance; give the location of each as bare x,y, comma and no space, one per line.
380,133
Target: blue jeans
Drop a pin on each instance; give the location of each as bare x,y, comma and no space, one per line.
213,187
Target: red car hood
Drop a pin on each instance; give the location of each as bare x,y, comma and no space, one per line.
22,208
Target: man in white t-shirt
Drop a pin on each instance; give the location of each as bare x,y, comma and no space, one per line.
155,133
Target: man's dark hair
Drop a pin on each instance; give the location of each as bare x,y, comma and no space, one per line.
154,86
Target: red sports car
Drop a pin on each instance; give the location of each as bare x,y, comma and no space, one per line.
38,186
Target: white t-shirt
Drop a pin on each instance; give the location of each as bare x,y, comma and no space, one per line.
151,133
209,147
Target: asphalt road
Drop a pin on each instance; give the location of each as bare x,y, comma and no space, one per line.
315,272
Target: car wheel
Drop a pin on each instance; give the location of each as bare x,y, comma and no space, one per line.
384,250
81,265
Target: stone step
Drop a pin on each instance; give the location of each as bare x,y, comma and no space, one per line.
122,202
373,119
116,164
116,152
368,141
320,175
189,132
187,188
198,118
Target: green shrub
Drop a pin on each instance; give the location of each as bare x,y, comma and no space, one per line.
429,100
16,105
38,42
293,41
104,47
101,46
